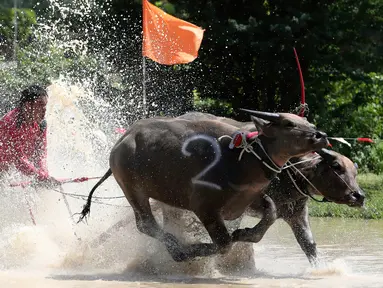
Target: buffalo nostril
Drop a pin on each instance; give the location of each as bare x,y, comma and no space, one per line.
358,196
320,134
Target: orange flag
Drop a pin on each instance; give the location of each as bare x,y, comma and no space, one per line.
167,39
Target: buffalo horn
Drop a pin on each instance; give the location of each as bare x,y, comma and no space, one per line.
326,155
273,117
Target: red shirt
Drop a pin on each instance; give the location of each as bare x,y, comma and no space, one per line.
23,146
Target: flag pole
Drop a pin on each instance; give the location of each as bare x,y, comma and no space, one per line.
15,32
144,105
144,86
164,42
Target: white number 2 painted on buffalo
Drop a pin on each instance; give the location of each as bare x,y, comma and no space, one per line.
217,153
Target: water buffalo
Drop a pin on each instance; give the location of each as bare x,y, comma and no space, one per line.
330,175
333,176
192,165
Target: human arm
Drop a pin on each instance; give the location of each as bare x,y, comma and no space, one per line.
26,167
36,164
40,154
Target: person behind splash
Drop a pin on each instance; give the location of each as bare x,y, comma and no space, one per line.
23,137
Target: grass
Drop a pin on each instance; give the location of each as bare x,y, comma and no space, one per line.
372,185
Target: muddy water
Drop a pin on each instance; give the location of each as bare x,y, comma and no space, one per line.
351,251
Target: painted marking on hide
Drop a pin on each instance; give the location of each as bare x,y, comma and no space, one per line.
217,154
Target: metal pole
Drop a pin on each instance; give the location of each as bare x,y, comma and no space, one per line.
69,211
29,208
15,32
144,105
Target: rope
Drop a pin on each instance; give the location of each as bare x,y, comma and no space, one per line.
348,186
83,197
108,204
303,161
302,107
247,147
86,196
299,190
312,185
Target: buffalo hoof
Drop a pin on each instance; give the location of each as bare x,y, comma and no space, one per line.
314,261
178,255
175,249
244,235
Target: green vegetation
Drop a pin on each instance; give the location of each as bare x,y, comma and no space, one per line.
372,185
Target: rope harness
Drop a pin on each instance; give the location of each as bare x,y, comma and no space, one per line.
240,141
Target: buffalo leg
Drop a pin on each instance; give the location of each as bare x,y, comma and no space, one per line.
299,223
256,233
103,237
147,224
216,228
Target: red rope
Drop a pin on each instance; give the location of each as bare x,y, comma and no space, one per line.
303,97
63,181
369,140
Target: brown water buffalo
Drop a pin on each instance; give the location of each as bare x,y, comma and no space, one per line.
331,175
188,164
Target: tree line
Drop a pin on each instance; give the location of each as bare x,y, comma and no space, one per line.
246,59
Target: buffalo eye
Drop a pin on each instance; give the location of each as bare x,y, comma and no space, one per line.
335,166
288,124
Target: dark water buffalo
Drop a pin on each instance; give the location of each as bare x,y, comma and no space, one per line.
188,164
331,174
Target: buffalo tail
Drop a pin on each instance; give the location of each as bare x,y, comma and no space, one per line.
86,210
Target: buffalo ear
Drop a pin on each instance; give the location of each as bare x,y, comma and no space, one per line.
262,126
327,155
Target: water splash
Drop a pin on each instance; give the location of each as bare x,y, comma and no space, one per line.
27,247
81,132
337,267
